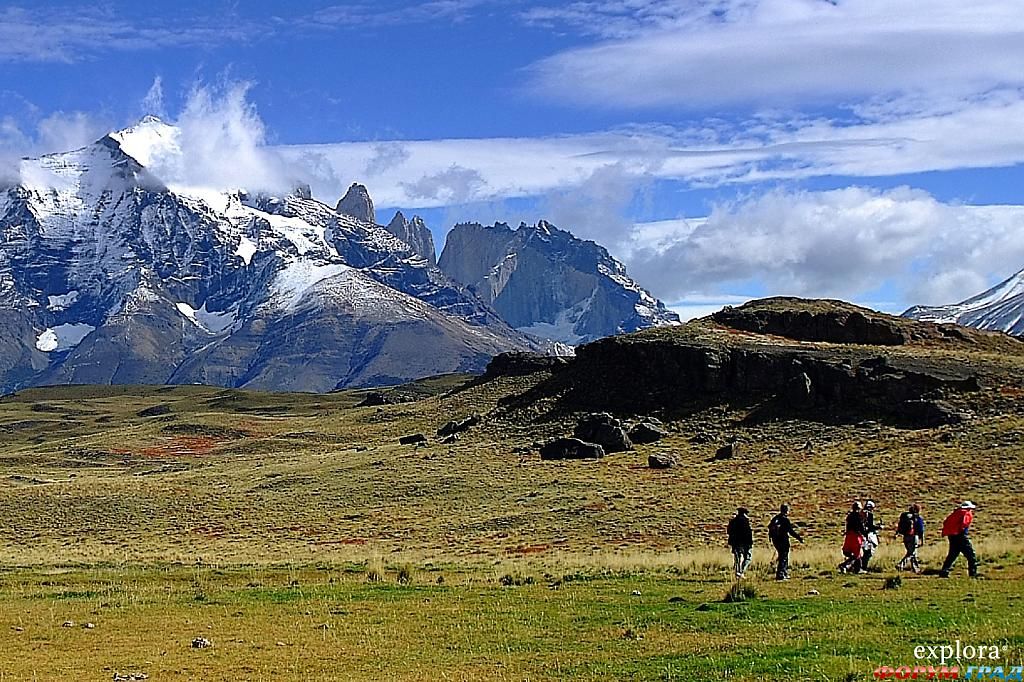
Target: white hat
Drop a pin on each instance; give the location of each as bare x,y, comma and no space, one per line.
968,505
869,504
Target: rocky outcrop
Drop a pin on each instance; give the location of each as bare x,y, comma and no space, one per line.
546,282
831,321
416,234
605,430
686,369
358,204
518,363
570,448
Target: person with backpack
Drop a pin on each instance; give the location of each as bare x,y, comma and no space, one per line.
871,528
741,539
853,540
911,528
955,528
780,529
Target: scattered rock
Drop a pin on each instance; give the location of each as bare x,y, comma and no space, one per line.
129,677
676,600
570,448
89,626
458,426
727,451
450,439
635,593
813,593
660,460
605,430
646,432
928,413
377,399
68,624
201,643
413,439
154,411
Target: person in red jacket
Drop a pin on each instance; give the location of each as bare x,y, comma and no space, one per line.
956,527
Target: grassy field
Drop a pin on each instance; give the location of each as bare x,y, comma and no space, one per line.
278,527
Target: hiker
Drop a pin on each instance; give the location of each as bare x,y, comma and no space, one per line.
741,539
780,529
956,527
853,540
911,528
871,529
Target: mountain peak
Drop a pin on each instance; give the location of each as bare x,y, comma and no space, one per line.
357,203
148,140
416,234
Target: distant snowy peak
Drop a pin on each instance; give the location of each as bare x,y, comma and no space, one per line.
1001,308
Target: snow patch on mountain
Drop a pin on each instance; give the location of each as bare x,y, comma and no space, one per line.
61,301
246,249
63,337
297,278
212,322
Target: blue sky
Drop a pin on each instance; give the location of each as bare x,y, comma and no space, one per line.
869,150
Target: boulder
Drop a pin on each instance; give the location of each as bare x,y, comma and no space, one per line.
413,439
927,414
646,432
605,430
661,461
458,426
727,451
570,448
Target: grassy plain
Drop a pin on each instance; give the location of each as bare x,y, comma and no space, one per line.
278,526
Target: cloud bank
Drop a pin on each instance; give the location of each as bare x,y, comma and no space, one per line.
732,52
846,243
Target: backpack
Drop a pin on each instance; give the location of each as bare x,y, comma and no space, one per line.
775,530
905,526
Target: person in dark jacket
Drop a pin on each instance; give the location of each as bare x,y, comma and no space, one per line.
911,528
780,530
853,540
871,528
741,539
956,527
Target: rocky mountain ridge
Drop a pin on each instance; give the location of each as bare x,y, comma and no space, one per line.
107,275
545,282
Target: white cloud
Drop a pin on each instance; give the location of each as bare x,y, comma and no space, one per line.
218,142
698,55
153,102
847,243
69,34
889,137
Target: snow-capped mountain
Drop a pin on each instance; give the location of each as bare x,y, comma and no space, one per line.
108,276
545,282
1001,308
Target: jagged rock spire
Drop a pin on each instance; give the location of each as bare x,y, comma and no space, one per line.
357,203
415,233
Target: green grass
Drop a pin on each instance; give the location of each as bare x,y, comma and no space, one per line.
329,623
